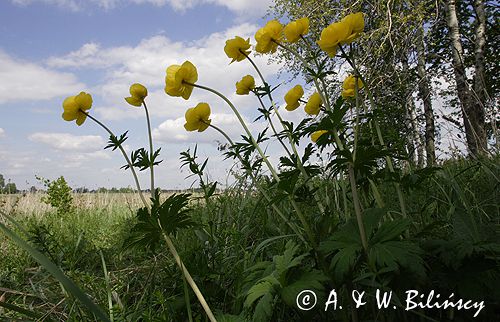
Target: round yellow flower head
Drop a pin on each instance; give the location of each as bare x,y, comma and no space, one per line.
349,86
332,36
138,93
357,24
315,135
75,107
179,78
295,29
268,37
292,98
244,86
313,104
197,118
237,48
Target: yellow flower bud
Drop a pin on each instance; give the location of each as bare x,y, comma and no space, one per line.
292,98
244,86
179,78
75,107
313,105
268,37
237,48
197,118
295,29
349,86
138,93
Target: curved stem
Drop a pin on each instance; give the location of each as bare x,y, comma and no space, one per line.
125,156
150,151
268,117
300,165
302,219
388,159
258,186
242,122
167,239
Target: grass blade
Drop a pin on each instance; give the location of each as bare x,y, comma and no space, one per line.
56,272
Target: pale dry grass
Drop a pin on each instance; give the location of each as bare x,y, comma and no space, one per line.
32,204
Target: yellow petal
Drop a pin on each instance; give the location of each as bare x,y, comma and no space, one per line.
133,101
139,91
84,101
236,47
191,116
313,104
80,118
190,127
292,98
203,111
246,84
69,115
316,135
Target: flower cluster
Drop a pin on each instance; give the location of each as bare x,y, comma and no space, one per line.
342,32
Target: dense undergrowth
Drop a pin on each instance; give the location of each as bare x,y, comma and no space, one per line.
251,266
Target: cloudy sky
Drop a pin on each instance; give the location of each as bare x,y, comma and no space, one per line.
51,49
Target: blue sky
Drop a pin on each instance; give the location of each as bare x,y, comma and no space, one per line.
51,49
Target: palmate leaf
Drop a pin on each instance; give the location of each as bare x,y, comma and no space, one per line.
115,142
267,285
264,308
288,260
310,280
402,253
172,214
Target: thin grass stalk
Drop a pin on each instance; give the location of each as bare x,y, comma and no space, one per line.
108,286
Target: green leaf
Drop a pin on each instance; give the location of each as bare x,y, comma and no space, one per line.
266,286
264,308
310,280
390,230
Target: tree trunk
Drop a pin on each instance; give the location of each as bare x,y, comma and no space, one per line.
415,144
472,110
424,91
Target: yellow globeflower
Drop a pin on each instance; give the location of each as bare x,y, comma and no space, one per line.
138,93
349,86
315,135
268,37
75,107
236,47
245,85
357,24
313,104
292,98
178,77
332,36
197,118
295,29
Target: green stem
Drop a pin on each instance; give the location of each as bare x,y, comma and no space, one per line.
136,179
258,186
264,157
388,159
300,165
150,150
168,241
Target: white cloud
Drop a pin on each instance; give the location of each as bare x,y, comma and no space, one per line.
252,8
69,142
2,133
20,80
146,63
72,5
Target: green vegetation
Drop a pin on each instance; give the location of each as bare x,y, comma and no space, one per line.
251,266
